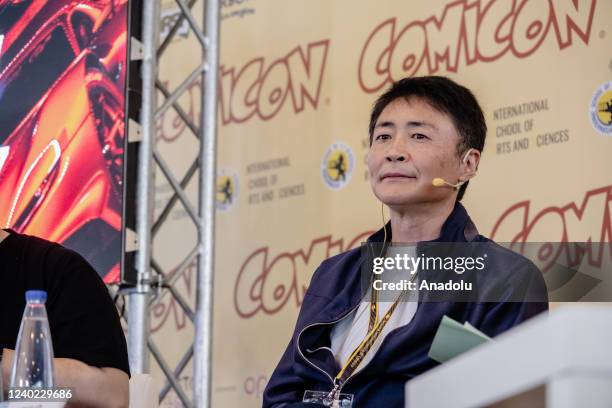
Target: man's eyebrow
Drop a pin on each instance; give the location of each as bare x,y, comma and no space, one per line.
413,123
385,124
420,124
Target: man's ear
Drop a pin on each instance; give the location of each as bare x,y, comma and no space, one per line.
469,164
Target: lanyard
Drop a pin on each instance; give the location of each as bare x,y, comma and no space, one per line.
375,328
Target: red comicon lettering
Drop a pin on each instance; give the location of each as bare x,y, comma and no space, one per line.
570,223
267,285
257,90
261,89
468,32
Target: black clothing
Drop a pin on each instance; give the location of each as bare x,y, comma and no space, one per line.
82,317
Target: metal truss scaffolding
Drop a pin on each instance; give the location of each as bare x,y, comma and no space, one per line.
149,273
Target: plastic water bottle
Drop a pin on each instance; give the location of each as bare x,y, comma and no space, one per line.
33,358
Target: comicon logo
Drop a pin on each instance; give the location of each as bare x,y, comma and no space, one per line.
587,220
600,110
267,282
227,189
262,87
469,32
337,165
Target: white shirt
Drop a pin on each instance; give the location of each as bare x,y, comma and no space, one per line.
348,333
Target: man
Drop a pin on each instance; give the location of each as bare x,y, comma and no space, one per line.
426,138
88,341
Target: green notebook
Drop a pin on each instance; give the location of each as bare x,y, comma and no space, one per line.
454,338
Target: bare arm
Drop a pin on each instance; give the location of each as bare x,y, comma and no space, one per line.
92,386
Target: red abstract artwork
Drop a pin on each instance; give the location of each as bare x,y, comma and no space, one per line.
62,124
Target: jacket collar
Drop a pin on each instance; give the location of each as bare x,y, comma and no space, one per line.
458,227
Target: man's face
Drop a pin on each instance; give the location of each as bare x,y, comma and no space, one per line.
412,144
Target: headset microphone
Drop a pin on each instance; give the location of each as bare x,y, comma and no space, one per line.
440,182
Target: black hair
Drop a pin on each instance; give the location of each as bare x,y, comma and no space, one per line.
447,97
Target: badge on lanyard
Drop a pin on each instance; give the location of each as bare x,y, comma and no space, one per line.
329,399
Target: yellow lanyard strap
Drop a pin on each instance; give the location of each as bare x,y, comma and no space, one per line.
375,327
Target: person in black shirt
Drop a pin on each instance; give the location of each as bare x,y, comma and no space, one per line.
88,341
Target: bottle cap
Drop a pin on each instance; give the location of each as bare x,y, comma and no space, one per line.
36,296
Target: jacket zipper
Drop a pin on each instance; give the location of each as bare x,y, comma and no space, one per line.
320,324
370,362
336,387
331,379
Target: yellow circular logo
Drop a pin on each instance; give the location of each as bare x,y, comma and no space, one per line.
601,109
604,108
227,190
337,165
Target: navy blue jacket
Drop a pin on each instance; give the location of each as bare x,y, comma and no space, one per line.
336,289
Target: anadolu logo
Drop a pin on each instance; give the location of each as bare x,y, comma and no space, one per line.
227,189
600,110
337,165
